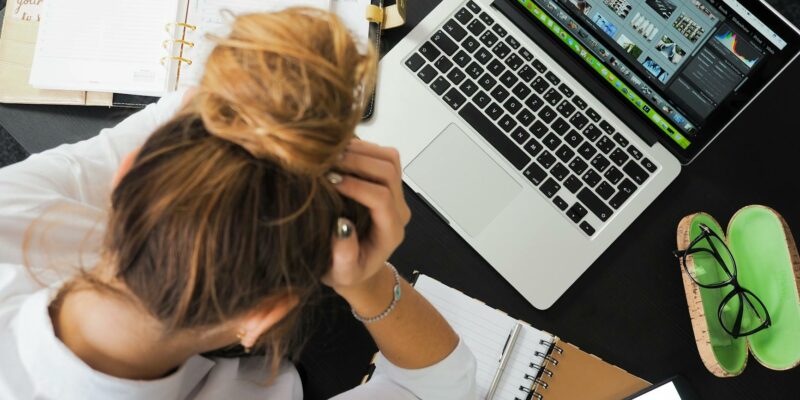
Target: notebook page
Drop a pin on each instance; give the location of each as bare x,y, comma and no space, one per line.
530,341
353,14
103,45
482,328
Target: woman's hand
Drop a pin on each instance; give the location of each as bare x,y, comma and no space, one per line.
373,177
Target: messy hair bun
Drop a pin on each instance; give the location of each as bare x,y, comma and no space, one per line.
290,87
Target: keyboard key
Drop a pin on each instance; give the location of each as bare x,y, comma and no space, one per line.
635,153
586,228
591,178
463,16
605,144
526,54
535,174
540,85
454,99
474,70
520,135
587,151
440,85
526,118
621,140
482,99
539,129
546,159
552,141
552,78
636,172
521,91
513,61
566,90
539,66
427,74
579,103
462,58
593,115
622,195
573,184
486,81
494,111
486,18
559,171
507,123
648,165
456,76
573,138
429,51
509,79
578,166
560,203
499,30
443,64
512,105
579,121
534,103
494,136
455,30
604,125
600,163
550,187
565,153
613,175
444,42
499,93
619,157
501,50
476,27
512,42
547,114
627,186
566,109
495,67
468,87
415,62
488,39
605,190
576,212
483,56
470,44
533,147
560,126
553,97
592,133
527,73
474,7
594,204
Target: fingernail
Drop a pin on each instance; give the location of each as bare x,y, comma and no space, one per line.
340,157
335,178
343,228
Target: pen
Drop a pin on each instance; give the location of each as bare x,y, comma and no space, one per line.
509,346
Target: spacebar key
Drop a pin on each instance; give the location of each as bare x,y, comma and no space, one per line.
593,203
494,136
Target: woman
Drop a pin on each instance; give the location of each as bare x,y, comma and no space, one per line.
222,215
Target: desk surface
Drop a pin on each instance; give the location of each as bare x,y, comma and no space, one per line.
628,308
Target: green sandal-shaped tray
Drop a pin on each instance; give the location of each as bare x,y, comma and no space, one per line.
768,265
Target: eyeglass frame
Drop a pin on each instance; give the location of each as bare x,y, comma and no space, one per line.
732,280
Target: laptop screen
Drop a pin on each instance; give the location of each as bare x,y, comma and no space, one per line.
687,67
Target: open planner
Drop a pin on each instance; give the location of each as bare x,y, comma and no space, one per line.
518,361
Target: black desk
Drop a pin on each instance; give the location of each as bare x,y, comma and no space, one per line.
629,308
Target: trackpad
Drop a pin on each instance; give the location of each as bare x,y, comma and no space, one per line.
462,179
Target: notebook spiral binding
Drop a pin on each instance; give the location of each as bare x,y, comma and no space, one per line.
166,44
540,370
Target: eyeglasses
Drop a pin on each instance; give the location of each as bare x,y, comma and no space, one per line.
741,312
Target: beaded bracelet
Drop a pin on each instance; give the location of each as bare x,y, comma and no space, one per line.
395,298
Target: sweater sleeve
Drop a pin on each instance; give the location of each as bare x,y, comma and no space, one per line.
452,378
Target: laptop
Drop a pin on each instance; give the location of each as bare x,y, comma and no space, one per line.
541,129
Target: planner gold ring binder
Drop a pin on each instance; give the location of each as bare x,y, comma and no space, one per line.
166,43
172,25
388,17
178,59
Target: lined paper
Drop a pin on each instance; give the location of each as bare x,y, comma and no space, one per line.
485,330
105,46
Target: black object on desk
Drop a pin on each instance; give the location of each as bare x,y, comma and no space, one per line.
628,308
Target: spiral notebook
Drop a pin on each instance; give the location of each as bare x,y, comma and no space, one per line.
147,47
528,364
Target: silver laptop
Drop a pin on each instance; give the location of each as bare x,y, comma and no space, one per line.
540,129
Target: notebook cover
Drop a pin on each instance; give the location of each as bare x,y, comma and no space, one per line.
580,375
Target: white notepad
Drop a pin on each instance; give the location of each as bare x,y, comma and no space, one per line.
134,46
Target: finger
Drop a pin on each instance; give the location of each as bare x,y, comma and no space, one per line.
345,266
371,149
374,169
380,202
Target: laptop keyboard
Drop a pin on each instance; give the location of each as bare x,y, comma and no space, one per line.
522,109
